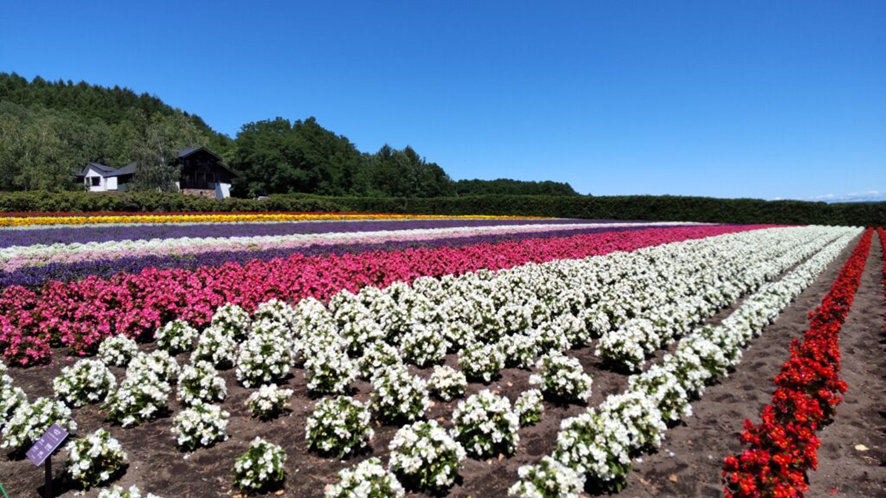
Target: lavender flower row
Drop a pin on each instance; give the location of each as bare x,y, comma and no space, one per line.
83,234
36,276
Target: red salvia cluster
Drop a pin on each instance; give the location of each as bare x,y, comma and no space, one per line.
783,446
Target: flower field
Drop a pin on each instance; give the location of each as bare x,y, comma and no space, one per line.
344,355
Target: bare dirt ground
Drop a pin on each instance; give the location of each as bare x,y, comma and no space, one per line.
687,465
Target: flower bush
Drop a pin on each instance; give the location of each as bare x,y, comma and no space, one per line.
261,467
263,358
481,362
529,407
200,425
398,395
640,417
200,382
597,446
117,350
378,355
94,459
519,350
329,371
485,425
176,337
158,363
141,396
367,479
562,379
87,381
11,398
425,456
548,479
30,421
118,492
232,320
424,345
339,427
447,383
268,401
215,346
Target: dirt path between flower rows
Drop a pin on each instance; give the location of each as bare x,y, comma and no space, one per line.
689,461
157,466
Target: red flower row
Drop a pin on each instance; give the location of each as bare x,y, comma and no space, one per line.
783,446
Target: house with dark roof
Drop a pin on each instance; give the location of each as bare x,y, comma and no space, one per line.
202,173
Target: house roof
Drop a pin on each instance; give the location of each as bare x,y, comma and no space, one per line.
125,170
101,167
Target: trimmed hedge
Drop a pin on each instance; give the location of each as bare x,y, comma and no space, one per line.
651,208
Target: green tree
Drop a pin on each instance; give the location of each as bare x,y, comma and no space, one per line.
156,149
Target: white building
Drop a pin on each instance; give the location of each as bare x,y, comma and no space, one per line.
202,173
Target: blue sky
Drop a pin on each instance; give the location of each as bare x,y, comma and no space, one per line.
727,99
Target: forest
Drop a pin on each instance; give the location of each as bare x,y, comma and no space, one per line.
49,130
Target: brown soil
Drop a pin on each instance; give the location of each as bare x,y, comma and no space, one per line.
157,466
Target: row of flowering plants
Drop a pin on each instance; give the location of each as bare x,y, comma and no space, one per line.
110,218
597,446
782,448
80,314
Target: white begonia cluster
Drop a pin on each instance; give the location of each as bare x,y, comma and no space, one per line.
176,337
233,321
159,363
328,370
398,395
354,322
216,346
529,407
423,345
595,445
447,383
562,378
519,350
379,355
201,382
367,479
640,416
268,401
339,427
660,383
481,361
485,425
87,381
549,339
11,398
425,455
547,479
94,459
264,358
276,311
30,420
118,492
141,396
117,350
261,468
200,425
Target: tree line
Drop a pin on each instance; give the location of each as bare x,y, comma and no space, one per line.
49,130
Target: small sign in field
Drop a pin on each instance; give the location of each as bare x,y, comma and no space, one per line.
47,444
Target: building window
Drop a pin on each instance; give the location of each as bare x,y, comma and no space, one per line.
95,181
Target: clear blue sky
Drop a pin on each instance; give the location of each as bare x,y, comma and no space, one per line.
770,99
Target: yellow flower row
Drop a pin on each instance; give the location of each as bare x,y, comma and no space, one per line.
224,218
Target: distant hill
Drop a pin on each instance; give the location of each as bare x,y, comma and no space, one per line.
49,130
